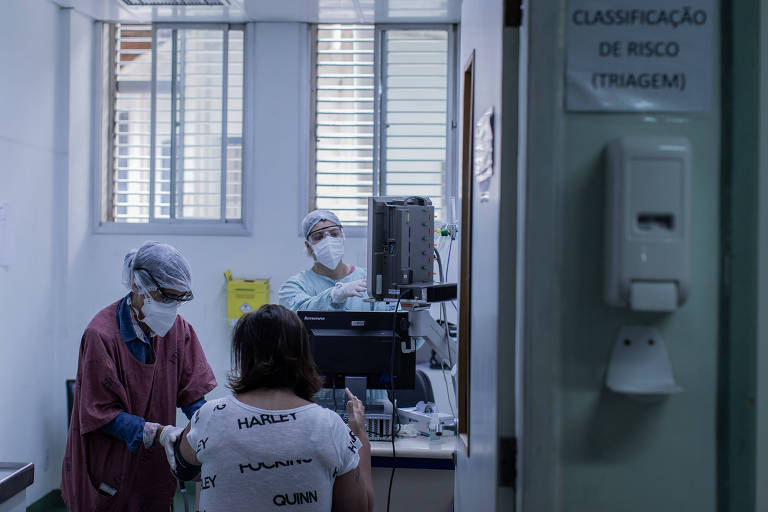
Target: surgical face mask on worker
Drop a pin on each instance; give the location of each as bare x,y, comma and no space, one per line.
329,251
159,316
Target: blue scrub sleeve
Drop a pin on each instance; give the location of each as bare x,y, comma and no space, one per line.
190,409
130,428
294,297
126,427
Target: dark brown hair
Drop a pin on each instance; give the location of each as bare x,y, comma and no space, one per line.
270,349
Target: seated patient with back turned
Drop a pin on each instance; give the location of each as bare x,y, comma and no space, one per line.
267,444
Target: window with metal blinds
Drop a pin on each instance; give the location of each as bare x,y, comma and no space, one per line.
344,120
131,118
385,140
415,114
177,124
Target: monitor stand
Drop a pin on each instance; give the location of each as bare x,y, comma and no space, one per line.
358,386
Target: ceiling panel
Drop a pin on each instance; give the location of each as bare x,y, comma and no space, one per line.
312,11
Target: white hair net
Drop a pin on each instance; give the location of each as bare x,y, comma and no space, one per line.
316,216
155,264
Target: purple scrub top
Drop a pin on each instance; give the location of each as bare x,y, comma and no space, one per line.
110,380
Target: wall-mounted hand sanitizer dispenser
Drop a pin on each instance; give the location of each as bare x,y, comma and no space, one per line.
648,203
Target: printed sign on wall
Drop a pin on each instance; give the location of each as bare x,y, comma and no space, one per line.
484,153
639,55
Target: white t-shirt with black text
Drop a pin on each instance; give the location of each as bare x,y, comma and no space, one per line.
257,459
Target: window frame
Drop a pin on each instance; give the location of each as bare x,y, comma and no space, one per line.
104,88
450,179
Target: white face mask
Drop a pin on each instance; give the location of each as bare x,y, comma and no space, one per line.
329,252
158,316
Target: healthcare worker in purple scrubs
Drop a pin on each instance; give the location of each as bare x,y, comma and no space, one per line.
139,360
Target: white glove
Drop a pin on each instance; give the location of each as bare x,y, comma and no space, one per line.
168,437
149,433
341,291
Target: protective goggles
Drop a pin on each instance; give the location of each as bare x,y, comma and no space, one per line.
167,298
320,233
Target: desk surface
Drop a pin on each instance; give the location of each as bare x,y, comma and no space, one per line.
415,447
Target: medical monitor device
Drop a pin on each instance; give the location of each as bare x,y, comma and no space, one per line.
359,344
400,245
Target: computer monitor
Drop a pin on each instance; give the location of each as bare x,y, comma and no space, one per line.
359,344
400,244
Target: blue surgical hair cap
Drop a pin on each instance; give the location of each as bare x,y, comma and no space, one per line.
316,216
